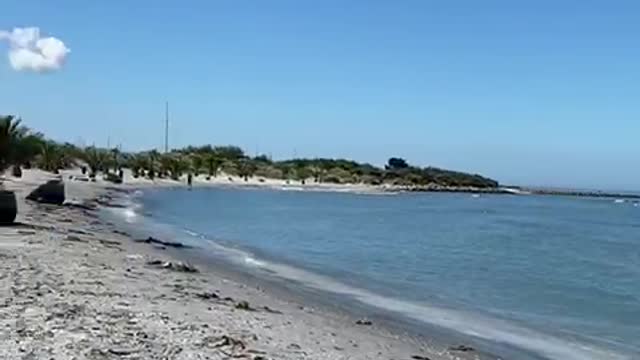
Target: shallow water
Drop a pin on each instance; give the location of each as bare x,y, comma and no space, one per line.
556,276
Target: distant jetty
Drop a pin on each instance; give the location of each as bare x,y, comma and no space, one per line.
515,191
579,193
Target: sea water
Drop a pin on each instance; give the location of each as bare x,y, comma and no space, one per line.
555,276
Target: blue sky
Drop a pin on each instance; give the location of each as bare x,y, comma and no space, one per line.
542,92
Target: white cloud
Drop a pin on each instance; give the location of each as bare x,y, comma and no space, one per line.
30,52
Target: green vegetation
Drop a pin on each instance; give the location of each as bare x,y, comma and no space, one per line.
21,147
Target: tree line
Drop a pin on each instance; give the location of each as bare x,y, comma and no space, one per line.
21,147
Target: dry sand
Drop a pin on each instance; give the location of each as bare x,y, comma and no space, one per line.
73,287
226,180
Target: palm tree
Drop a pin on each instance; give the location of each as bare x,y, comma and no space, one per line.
11,133
246,168
50,157
96,159
27,149
165,165
213,164
151,160
302,173
197,162
178,165
317,173
137,163
115,159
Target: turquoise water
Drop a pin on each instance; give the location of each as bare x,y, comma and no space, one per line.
559,277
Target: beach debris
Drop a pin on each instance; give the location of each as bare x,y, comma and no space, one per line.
243,305
461,348
420,357
364,322
79,204
271,311
122,352
78,231
175,266
207,295
110,243
74,238
152,240
226,340
123,233
106,200
51,192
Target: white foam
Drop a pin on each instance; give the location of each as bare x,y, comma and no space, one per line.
192,233
252,261
128,214
470,324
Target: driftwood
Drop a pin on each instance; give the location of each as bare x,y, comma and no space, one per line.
152,240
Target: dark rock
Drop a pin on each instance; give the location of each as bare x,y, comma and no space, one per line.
8,207
420,357
364,322
462,348
52,192
243,305
114,178
16,171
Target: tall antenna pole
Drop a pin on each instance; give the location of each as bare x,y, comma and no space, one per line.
166,127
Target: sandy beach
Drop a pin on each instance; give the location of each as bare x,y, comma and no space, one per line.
226,180
78,288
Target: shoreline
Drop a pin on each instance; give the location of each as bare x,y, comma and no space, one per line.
226,181
350,310
428,332
80,287
346,312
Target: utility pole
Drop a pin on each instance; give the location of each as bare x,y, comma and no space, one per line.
166,127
